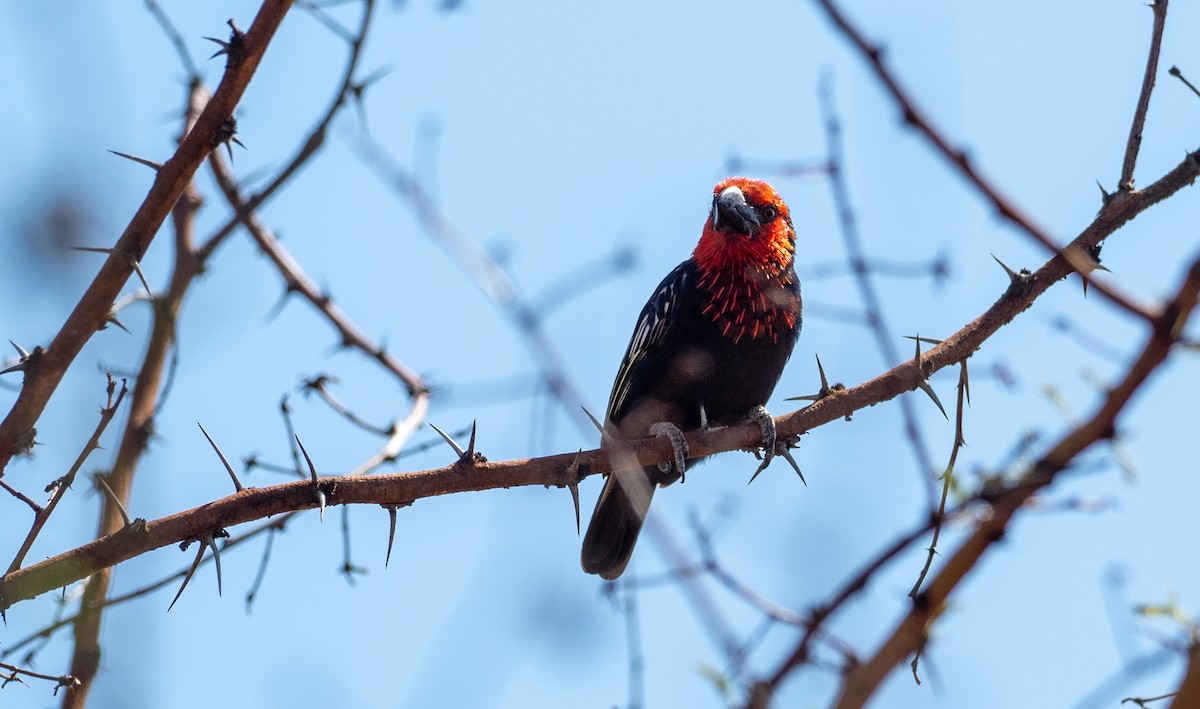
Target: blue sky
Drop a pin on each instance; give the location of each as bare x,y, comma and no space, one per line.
565,132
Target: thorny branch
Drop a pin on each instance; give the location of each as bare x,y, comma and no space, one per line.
298,282
856,256
64,483
551,470
909,638
91,313
1081,260
1133,146
910,635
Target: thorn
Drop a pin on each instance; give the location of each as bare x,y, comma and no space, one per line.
224,47
1104,195
227,135
470,453
134,262
112,318
923,381
822,393
312,469
462,454
926,340
1014,277
112,497
786,452
605,436
156,166
22,359
234,48
391,532
703,418
137,268
237,484
573,486
190,572
207,541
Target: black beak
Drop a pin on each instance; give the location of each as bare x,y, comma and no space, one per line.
731,213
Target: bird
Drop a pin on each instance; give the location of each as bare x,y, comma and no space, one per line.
707,350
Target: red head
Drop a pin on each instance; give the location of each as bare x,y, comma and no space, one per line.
749,230
744,260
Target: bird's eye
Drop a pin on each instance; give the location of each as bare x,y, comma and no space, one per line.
769,213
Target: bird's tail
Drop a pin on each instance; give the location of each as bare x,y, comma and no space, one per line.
616,522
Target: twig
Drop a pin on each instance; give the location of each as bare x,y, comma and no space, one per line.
91,312
298,281
884,338
62,681
1079,260
311,145
862,681
64,483
1133,146
947,478
392,489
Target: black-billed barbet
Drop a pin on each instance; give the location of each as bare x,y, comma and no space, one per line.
708,348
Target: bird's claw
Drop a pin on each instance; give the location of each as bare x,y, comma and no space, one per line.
766,425
671,432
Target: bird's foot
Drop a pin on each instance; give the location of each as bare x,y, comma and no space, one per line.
671,432
766,425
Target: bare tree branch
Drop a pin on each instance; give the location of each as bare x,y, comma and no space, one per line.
910,635
1133,146
91,313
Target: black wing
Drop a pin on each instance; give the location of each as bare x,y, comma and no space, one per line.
653,328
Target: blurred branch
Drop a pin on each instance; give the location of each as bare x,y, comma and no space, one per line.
91,313
1188,694
298,282
274,525
910,635
553,470
1081,260
491,278
144,405
15,673
884,339
485,273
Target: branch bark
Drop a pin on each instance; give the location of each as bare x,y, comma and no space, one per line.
910,635
91,313
556,470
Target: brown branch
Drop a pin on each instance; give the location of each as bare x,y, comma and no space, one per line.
63,681
487,275
1188,694
143,408
1134,145
910,635
939,515
299,282
402,488
64,483
312,144
91,313
1081,260
856,256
